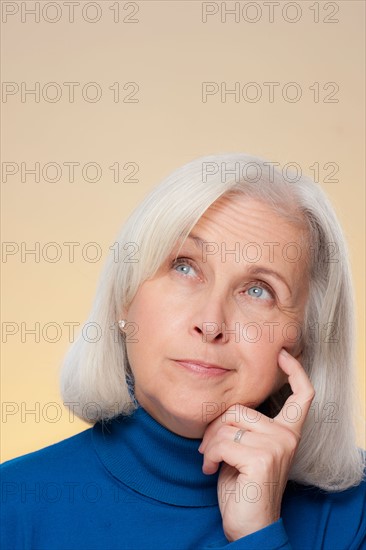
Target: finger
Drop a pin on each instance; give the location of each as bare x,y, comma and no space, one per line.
224,438
296,407
251,460
232,416
224,451
243,417
216,447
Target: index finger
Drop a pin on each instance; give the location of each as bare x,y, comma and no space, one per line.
302,396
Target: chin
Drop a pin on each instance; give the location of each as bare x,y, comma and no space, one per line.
182,417
188,412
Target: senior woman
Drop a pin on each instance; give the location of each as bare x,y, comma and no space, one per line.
221,389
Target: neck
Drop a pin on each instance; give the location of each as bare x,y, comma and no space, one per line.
154,461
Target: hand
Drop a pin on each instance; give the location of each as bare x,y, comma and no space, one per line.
255,471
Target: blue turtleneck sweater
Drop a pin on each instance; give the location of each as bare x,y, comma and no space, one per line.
132,484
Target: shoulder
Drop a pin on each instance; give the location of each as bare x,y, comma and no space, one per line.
338,516
56,457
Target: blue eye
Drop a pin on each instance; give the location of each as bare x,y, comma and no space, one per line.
259,292
182,262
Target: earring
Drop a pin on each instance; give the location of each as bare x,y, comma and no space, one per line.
122,323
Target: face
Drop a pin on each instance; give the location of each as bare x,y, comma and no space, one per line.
233,310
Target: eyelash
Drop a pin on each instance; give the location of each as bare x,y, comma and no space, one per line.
260,284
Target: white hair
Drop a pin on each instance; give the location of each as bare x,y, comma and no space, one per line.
97,375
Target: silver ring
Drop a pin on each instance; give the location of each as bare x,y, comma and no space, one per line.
238,435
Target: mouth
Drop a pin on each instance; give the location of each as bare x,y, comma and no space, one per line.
201,367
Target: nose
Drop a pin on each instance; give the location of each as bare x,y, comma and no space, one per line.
210,319
211,332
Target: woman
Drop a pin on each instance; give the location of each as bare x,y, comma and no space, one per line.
223,405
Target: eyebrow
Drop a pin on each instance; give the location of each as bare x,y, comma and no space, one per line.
197,240
253,270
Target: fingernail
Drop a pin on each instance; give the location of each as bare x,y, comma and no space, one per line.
284,352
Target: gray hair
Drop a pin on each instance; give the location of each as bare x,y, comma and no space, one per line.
96,374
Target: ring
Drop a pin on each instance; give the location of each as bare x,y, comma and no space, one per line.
238,435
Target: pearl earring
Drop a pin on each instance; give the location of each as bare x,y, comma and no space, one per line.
122,323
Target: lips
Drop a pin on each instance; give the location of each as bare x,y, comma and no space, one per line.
201,364
202,368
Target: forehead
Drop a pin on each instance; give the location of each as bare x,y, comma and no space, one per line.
245,218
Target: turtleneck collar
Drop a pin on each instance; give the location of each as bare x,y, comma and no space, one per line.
155,462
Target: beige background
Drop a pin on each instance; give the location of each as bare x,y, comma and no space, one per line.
168,52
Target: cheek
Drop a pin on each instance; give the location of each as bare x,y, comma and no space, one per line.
292,337
266,366
263,356
147,316
150,328
154,306
278,333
